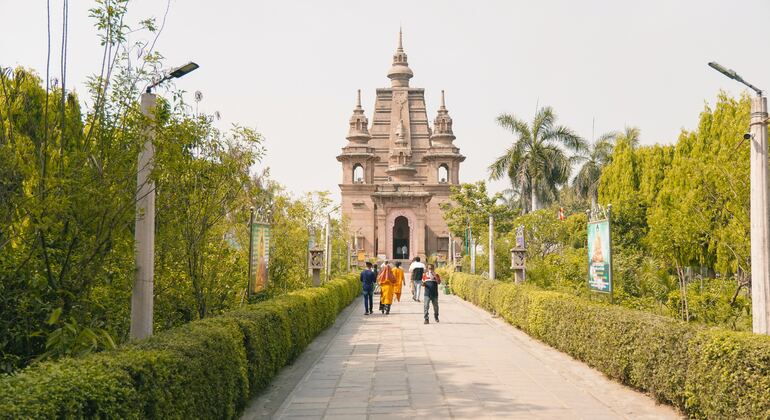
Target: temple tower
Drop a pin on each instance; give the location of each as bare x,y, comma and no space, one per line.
397,172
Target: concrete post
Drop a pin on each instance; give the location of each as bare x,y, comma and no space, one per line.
328,246
760,224
491,247
250,280
473,256
144,235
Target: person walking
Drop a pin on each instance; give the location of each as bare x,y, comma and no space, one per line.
398,273
387,281
416,270
368,279
430,281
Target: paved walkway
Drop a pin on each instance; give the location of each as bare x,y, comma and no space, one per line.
469,366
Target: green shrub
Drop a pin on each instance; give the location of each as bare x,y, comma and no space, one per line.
205,369
706,372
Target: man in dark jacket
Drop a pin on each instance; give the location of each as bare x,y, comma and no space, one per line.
368,280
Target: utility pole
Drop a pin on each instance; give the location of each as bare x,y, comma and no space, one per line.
760,225
472,246
328,246
491,247
473,256
249,285
144,234
760,216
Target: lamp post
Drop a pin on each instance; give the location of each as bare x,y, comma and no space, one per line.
144,233
328,245
760,223
491,247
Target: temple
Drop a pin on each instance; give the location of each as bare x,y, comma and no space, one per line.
396,172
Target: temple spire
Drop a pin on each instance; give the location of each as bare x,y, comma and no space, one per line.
358,99
399,72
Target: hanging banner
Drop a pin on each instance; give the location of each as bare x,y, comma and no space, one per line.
260,256
599,256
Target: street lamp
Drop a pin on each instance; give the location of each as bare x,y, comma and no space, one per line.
144,234
733,75
760,223
174,73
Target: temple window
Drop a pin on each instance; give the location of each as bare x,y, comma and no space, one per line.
358,174
443,173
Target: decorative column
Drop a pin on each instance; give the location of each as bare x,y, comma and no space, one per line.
316,264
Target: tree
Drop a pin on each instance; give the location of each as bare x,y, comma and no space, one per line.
67,186
630,136
700,215
594,158
200,174
536,163
470,206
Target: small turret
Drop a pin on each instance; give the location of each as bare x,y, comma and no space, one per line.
442,126
359,124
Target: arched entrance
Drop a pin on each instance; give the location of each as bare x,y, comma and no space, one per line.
401,238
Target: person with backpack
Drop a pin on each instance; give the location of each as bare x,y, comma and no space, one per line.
416,270
430,281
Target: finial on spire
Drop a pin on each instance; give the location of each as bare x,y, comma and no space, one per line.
399,72
358,99
442,99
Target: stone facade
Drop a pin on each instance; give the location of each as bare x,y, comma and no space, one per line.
397,171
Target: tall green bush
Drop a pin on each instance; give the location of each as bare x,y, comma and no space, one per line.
205,369
706,372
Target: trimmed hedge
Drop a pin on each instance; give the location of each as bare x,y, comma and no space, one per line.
205,369
706,372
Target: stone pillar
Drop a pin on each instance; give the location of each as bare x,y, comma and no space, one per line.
382,234
419,232
316,265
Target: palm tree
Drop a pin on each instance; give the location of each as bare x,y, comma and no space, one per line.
630,135
536,162
598,154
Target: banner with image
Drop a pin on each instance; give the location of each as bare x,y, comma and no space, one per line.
260,256
599,257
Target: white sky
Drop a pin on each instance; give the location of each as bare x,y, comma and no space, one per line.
291,68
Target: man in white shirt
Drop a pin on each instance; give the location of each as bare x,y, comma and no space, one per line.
416,270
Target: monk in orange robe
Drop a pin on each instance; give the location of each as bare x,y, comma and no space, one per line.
398,272
387,280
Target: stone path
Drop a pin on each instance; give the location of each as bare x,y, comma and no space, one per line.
469,366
